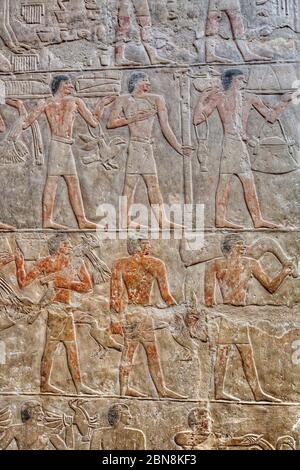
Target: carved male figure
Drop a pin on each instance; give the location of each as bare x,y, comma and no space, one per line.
233,274
59,270
143,17
234,271
61,110
33,433
138,111
119,436
232,9
234,106
200,436
132,281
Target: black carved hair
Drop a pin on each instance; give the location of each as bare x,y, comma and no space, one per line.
55,242
26,409
57,81
114,413
229,242
135,77
228,76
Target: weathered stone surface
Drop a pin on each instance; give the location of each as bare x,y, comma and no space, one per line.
112,115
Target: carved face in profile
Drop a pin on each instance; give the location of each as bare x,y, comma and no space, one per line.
239,82
143,85
145,247
32,411
66,247
239,249
66,87
125,416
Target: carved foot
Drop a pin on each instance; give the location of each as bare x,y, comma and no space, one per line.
126,62
157,60
215,58
47,388
226,224
226,397
7,227
131,392
53,225
251,57
261,396
86,224
85,390
265,224
166,393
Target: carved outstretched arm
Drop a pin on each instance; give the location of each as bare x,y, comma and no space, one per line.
271,284
270,114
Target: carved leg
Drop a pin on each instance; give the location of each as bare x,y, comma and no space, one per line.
46,366
156,372
212,32
48,203
222,198
252,202
122,35
77,203
129,189
246,353
220,373
157,203
74,368
239,34
125,369
145,25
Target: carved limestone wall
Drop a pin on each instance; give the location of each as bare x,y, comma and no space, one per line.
125,323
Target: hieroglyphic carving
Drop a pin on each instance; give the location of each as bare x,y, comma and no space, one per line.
33,12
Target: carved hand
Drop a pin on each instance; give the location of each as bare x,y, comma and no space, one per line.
186,150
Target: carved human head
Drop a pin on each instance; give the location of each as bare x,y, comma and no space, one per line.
140,79
286,443
232,242
59,242
231,76
199,419
31,410
138,245
119,413
60,81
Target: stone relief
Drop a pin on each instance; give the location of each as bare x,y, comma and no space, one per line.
117,330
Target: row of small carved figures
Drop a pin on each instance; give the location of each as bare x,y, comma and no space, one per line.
42,429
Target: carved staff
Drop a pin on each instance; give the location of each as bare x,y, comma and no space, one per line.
184,87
